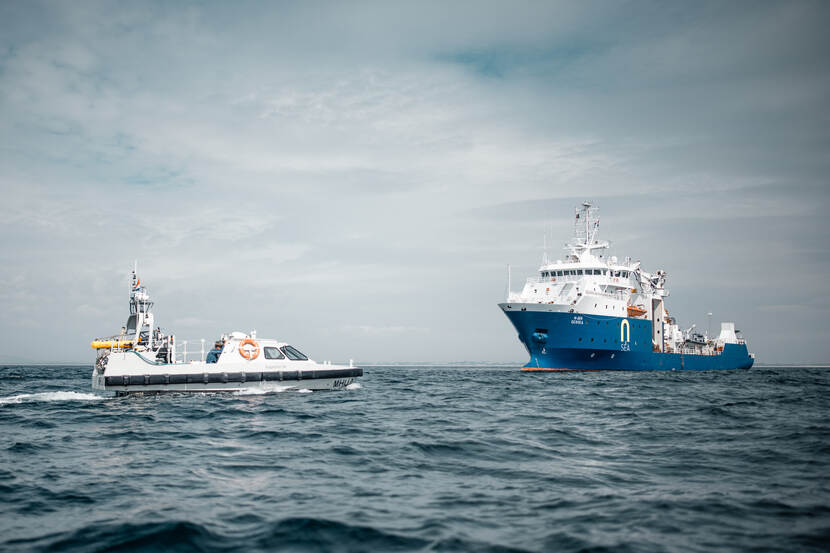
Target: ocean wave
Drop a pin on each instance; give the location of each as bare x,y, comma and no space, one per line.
291,534
354,386
262,391
315,534
50,396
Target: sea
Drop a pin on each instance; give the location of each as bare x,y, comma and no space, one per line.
422,458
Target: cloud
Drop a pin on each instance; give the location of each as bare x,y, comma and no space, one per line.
296,167
373,330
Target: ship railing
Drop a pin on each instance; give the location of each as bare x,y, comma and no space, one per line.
546,280
181,353
698,351
553,280
616,295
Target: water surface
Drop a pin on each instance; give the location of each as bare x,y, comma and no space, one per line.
422,459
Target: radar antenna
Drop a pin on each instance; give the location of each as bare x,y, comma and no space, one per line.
586,228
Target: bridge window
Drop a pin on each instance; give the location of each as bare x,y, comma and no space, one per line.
272,353
579,271
293,354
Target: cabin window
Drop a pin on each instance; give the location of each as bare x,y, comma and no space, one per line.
273,353
579,271
293,354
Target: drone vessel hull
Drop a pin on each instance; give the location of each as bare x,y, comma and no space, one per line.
130,372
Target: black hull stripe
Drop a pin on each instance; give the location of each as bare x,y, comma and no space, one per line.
223,378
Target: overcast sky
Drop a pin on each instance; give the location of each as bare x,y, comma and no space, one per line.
354,177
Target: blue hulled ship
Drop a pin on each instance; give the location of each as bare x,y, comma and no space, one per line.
592,312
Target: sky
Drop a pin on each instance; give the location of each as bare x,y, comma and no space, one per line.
355,177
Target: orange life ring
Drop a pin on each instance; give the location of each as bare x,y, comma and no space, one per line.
249,354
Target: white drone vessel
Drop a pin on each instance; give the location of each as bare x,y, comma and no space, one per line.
141,359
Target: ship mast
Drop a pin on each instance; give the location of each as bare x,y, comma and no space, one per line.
586,227
140,321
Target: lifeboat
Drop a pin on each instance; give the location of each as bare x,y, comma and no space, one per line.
636,311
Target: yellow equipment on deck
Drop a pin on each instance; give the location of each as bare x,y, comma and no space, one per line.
107,344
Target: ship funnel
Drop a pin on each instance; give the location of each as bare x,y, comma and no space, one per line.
727,333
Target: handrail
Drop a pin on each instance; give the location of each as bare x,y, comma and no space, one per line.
183,353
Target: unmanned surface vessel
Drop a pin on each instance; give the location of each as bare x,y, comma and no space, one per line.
590,312
141,359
